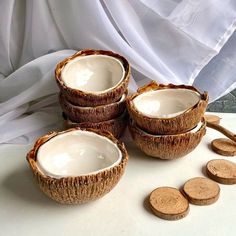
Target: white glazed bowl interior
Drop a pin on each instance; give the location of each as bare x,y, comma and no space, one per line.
93,73
165,103
77,153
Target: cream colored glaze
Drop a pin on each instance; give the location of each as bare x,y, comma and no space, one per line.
165,103
194,130
93,73
77,153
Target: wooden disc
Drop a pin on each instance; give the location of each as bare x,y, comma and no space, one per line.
224,146
201,191
212,119
222,171
168,203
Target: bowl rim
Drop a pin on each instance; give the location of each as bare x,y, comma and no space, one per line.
47,170
86,52
122,116
32,156
152,94
200,126
153,86
122,99
108,57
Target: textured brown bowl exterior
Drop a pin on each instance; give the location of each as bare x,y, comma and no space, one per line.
166,146
82,98
115,126
92,114
80,189
179,124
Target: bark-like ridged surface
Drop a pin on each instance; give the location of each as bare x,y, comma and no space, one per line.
115,126
92,114
80,189
179,124
166,146
82,98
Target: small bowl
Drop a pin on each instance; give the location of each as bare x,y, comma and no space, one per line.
93,77
115,126
167,147
167,109
92,114
77,165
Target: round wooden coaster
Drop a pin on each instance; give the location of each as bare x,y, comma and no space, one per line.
168,203
201,191
222,171
212,119
224,146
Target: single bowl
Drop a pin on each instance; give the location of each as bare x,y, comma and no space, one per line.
115,126
167,109
168,146
93,77
77,165
92,114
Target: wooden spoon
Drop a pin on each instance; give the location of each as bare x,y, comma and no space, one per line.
222,130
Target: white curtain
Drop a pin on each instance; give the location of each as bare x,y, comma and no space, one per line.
170,41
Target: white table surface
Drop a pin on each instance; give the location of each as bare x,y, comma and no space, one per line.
25,210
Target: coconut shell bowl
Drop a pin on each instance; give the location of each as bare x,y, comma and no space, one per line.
77,165
170,146
115,126
92,78
167,109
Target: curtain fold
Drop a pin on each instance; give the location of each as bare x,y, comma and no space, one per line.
170,41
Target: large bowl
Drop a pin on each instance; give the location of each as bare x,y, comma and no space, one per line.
93,77
167,146
167,109
77,165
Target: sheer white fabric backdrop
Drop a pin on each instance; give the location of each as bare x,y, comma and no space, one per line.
170,41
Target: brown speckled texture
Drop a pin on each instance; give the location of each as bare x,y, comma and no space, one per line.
81,98
91,114
80,189
175,125
115,126
166,146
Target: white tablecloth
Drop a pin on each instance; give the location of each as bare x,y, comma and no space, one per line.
25,210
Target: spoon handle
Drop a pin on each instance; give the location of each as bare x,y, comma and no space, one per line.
223,130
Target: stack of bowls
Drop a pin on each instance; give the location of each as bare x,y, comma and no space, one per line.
167,120
93,89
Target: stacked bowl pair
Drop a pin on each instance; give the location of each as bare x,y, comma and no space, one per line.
167,121
93,89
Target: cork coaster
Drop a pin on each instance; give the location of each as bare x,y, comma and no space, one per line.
201,191
222,171
212,119
168,203
224,146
